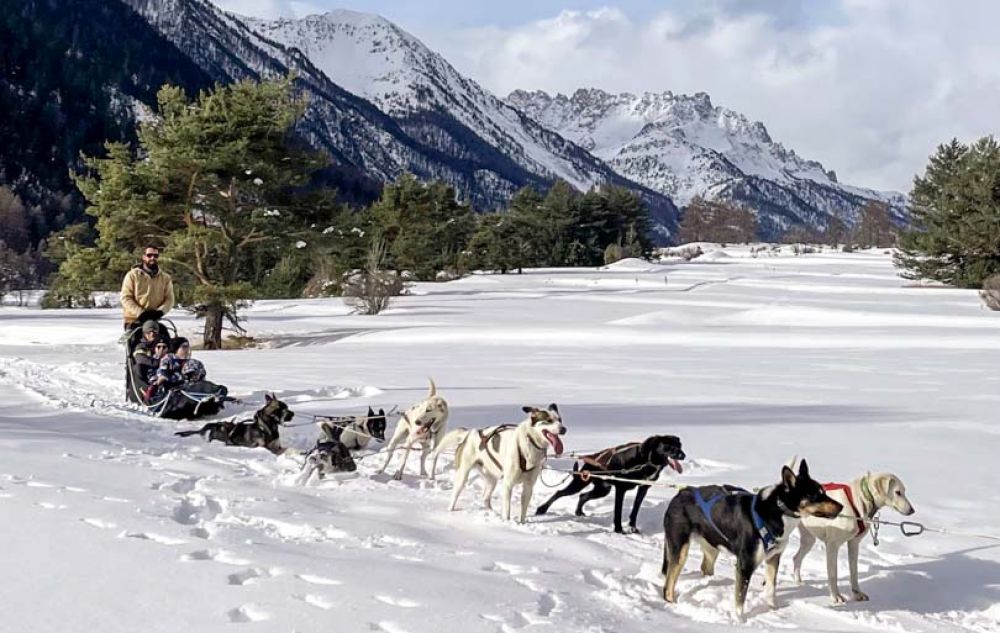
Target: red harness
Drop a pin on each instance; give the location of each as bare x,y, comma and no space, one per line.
862,526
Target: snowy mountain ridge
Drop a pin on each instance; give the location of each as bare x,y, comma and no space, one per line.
684,146
373,58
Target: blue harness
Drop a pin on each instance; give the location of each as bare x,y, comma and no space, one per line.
706,505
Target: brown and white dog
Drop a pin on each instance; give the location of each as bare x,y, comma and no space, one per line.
514,453
862,498
423,423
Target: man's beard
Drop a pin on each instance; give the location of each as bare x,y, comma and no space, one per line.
152,267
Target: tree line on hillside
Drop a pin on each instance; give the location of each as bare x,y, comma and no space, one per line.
238,203
233,197
732,223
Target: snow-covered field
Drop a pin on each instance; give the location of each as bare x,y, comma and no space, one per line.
112,524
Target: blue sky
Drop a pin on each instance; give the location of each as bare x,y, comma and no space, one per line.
867,87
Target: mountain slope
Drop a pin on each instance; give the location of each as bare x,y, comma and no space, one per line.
352,129
684,146
432,101
74,74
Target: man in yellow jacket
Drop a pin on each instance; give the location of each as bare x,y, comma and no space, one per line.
147,291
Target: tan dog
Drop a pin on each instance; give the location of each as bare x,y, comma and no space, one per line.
514,453
423,423
862,499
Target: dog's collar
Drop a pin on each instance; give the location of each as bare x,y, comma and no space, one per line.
867,496
539,447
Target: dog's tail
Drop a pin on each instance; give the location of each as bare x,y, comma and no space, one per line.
454,438
200,431
434,389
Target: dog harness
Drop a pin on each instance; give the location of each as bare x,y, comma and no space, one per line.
484,445
706,505
846,489
603,458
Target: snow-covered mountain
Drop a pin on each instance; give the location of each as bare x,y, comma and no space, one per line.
355,132
684,146
375,59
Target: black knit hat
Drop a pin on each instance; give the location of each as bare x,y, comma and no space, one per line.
177,343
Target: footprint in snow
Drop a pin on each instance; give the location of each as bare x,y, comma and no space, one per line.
219,556
200,532
100,523
181,486
155,538
547,603
51,506
405,603
317,601
248,576
318,580
387,627
248,613
195,508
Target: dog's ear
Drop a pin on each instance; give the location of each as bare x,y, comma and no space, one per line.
553,407
371,412
804,469
882,484
268,398
528,409
381,412
787,477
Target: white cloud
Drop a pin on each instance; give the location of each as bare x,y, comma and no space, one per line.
269,9
869,94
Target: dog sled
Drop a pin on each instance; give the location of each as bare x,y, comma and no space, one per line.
186,402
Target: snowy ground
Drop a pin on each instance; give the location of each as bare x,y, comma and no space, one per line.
112,524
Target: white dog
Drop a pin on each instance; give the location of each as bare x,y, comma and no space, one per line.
514,453
862,499
422,423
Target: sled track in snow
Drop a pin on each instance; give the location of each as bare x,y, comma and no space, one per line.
87,386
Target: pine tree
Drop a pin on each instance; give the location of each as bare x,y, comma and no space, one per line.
499,243
955,234
220,182
427,229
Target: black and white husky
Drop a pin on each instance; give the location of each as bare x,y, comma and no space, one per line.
753,526
356,432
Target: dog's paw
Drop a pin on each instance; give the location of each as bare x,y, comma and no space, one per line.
838,599
861,596
540,510
798,579
632,530
398,476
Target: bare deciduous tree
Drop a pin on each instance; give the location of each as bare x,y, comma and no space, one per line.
370,290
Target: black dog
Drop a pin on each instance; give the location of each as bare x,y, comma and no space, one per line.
262,432
754,527
355,433
326,458
637,460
